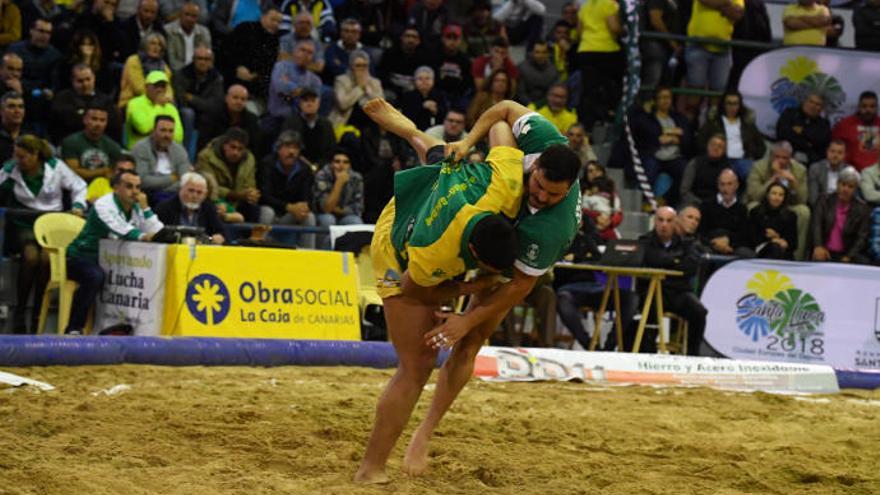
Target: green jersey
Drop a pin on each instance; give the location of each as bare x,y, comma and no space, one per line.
545,234
91,155
437,206
108,220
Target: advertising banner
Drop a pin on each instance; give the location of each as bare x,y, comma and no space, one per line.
822,313
782,78
134,287
518,364
216,291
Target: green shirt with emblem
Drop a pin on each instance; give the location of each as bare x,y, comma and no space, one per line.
91,155
437,206
545,234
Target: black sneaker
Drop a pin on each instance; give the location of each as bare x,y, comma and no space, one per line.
73,332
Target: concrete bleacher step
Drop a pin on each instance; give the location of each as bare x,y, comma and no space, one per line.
630,199
634,224
615,174
603,154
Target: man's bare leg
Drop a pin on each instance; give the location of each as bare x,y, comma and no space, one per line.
454,375
390,119
408,321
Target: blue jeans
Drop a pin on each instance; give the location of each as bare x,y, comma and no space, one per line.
303,240
705,68
569,299
188,120
90,277
328,219
673,168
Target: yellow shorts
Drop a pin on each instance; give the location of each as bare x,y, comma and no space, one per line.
385,265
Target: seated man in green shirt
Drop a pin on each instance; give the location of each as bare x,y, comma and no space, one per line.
89,152
122,214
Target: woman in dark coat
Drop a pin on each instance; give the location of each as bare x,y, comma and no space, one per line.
774,226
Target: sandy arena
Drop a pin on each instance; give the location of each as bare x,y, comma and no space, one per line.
293,430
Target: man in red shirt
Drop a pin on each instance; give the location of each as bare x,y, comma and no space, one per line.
861,132
498,58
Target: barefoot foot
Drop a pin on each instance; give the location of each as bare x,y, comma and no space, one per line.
415,461
390,118
371,477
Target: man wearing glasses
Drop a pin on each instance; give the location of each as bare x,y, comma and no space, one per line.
452,128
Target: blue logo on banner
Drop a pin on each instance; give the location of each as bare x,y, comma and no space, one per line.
207,299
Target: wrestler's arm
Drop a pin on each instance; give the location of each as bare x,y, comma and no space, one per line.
503,111
445,291
498,302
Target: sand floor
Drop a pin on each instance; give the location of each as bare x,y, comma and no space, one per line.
298,430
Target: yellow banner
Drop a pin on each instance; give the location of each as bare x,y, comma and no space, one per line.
215,291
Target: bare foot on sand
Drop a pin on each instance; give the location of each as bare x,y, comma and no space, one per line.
415,461
370,477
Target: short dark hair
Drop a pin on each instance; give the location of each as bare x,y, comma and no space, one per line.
117,177
96,105
495,241
288,137
124,158
838,141
81,66
339,150
160,118
236,134
867,94
559,163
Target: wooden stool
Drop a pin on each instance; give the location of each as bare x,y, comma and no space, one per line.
678,340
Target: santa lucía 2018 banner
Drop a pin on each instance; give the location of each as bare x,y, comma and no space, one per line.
818,313
782,78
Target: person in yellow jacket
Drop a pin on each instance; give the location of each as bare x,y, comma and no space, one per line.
141,112
151,57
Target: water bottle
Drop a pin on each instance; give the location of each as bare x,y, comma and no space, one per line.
529,324
518,311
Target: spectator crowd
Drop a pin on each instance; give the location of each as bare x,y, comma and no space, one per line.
252,111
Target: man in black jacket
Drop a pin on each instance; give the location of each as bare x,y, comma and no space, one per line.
132,30
866,21
191,209
69,106
251,52
197,87
286,186
316,131
725,219
664,249
230,112
806,129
